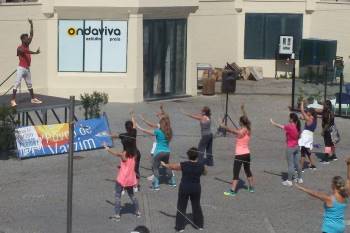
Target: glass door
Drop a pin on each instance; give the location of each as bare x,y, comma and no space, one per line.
164,58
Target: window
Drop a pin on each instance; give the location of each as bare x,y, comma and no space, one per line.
92,46
262,32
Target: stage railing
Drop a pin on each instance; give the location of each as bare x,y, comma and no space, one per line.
6,79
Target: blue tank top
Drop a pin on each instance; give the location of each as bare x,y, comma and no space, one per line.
333,218
311,127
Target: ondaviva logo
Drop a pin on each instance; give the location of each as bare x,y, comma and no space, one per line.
94,31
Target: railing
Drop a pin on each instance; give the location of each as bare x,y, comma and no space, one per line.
6,79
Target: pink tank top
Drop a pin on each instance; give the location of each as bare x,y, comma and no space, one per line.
126,176
242,142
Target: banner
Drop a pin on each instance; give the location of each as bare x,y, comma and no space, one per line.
34,141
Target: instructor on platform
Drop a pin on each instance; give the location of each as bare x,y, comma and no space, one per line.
23,69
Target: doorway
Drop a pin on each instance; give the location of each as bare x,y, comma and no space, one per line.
164,56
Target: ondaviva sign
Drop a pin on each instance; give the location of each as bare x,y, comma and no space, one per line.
96,33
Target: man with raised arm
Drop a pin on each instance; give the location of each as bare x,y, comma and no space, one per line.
23,69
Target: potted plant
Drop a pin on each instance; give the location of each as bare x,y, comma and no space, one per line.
7,131
92,104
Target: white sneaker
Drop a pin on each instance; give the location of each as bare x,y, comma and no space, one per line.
115,217
150,178
136,189
300,181
123,192
13,103
287,183
36,101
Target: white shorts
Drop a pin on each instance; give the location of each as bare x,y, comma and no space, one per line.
306,139
23,73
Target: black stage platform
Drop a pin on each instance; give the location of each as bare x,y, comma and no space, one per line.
28,112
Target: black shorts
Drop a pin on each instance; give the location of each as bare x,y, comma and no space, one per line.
305,152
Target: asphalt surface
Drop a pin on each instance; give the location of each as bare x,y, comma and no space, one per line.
33,191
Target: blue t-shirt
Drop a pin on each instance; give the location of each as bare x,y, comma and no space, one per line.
333,218
162,142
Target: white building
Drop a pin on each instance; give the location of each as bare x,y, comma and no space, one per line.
144,49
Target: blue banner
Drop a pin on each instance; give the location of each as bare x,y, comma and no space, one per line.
34,141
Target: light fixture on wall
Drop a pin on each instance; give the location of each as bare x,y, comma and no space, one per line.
309,11
49,14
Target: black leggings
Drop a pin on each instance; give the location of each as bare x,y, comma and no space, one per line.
237,164
327,137
137,163
305,151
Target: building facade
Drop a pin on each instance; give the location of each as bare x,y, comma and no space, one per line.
138,50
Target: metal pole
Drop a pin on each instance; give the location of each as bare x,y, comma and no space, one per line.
70,165
65,114
293,84
226,112
325,76
340,92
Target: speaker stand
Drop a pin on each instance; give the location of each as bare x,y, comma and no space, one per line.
227,116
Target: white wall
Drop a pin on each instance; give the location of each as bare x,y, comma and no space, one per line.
261,6
332,21
212,37
13,22
215,35
218,30
121,87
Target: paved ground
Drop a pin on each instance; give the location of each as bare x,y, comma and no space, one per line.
33,192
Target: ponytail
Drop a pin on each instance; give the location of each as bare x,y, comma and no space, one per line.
294,117
166,128
206,111
246,122
343,192
339,185
129,126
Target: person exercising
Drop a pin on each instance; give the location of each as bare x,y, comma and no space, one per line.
23,69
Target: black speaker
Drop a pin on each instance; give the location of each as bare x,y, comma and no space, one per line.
229,81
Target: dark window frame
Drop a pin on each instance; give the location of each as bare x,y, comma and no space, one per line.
258,33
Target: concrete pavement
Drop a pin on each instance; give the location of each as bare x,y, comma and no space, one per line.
33,192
